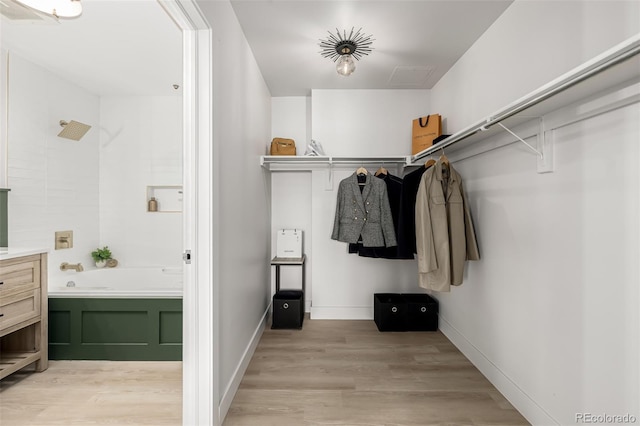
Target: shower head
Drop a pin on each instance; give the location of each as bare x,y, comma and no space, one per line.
73,130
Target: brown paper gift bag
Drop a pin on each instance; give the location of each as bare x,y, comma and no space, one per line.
425,130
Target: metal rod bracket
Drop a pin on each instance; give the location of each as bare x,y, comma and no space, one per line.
545,144
521,140
329,182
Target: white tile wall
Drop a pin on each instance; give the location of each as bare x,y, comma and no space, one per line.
140,146
54,181
96,186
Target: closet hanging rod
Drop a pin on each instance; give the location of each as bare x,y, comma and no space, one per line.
267,160
616,55
627,52
370,160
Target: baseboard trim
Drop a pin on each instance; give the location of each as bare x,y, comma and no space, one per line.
234,383
533,412
342,312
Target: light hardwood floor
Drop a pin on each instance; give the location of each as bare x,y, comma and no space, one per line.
328,373
94,393
349,373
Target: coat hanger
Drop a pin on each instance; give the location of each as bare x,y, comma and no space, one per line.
382,171
361,176
430,162
443,158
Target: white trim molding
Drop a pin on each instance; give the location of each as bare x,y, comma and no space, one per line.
238,374
526,405
342,312
200,380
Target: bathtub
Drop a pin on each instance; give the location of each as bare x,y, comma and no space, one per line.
117,314
119,283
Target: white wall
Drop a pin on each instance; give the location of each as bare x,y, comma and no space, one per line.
366,122
140,146
290,120
290,192
54,181
532,43
4,55
291,209
550,312
347,123
344,284
242,130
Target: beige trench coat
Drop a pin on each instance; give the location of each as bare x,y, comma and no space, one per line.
445,237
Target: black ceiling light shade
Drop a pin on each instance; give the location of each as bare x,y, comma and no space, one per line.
343,48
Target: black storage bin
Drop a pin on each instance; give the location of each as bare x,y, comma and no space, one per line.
422,312
288,309
390,312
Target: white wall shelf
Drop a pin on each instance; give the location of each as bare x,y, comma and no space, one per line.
283,162
622,66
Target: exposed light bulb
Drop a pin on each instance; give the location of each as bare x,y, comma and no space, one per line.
346,65
55,8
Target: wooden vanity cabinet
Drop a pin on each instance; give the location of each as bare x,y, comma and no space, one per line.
23,313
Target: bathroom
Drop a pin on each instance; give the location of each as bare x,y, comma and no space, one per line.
99,186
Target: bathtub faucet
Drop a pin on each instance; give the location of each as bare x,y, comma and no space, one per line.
64,266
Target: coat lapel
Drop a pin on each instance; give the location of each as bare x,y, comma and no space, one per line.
360,196
366,191
452,182
437,172
446,192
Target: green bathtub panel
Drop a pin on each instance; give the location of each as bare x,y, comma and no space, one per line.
116,329
4,217
170,328
61,334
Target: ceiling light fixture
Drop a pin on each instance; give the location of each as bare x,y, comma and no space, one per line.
343,49
56,8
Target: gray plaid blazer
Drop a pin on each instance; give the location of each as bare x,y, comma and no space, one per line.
365,213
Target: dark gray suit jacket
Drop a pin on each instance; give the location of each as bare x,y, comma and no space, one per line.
365,214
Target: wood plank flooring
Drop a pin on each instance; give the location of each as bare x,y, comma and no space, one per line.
94,393
349,373
328,373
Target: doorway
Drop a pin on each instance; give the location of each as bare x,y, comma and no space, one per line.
200,387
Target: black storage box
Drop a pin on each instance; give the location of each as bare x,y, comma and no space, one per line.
288,309
390,312
422,312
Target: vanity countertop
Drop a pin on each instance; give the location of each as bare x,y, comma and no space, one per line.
13,252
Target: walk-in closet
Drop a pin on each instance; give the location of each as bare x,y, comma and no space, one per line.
523,218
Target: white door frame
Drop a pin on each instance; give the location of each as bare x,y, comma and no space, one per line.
200,383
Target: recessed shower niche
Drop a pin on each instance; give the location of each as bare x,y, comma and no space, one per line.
167,198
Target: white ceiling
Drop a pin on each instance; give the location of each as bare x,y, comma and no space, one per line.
115,47
132,47
412,35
